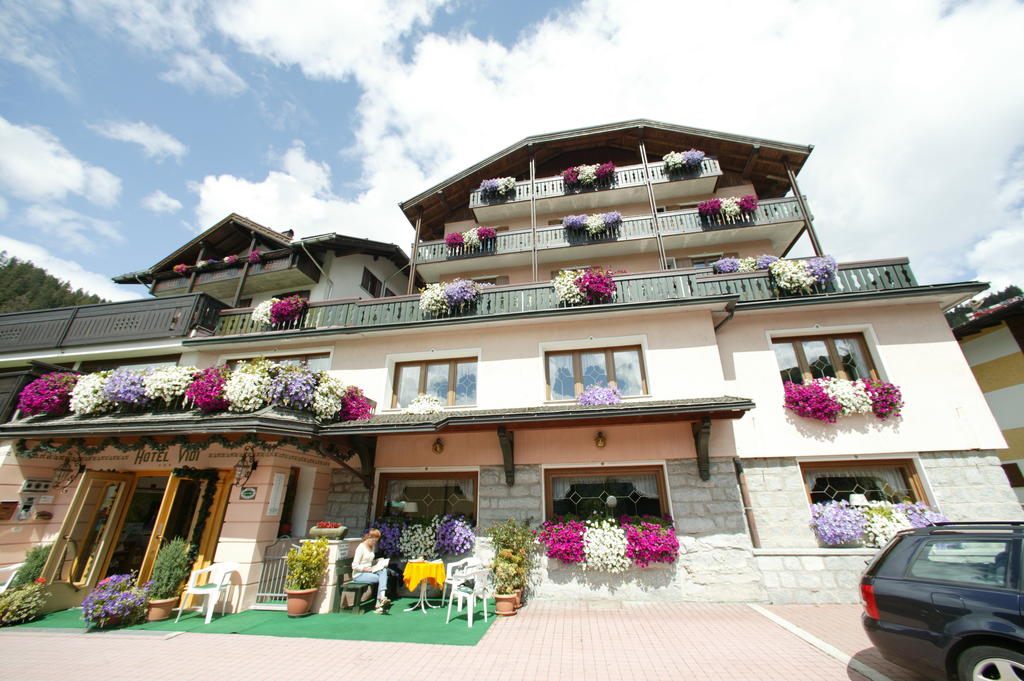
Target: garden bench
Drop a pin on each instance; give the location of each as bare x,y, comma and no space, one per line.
357,589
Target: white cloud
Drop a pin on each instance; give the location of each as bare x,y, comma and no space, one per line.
29,43
68,270
3,208
155,142
35,166
204,70
159,202
163,25
70,230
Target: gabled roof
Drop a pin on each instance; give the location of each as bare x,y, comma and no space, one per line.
232,230
759,159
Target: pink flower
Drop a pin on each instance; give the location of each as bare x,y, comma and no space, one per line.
207,389
49,394
709,208
255,257
487,233
564,540
570,176
180,269
648,543
287,310
605,170
748,204
453,240
355,406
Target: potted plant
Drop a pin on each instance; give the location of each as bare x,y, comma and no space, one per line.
116,601
306,566
517,537
509,575
328,529
169,571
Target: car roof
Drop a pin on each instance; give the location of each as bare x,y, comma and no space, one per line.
977,527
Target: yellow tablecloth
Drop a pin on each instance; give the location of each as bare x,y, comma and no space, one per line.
417,572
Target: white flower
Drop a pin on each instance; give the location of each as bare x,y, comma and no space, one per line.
748,264
261,313
674,160
604,546
420,541
424,404
883,522
851,395
87,396
168,383
730,208
471,238
587,173
327,396
432,300
506,185
791,276
566,289
595,224
246,388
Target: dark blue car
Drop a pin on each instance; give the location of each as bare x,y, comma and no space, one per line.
945,601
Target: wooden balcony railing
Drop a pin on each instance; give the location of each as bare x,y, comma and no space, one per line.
277,261
633,227
167,317
625,176
539,299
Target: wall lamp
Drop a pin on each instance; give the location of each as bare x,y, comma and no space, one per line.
438,446
600,440
245,466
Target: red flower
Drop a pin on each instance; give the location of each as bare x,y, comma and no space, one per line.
40,580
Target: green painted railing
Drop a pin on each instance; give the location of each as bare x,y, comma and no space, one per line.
633,227
532,299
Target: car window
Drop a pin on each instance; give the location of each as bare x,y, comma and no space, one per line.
981,562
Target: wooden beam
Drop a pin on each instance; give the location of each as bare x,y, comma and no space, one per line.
415,252
245,273
507,443
195,271
702,443
815,244
754,151
444,202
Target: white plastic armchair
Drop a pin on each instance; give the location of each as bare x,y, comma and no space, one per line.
219,580
457,573
483,588
7,575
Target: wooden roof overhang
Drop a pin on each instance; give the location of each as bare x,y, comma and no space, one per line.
995,316
759,161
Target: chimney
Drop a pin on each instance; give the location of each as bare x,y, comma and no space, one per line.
289,233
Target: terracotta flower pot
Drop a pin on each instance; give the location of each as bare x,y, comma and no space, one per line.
160,610
505,604
329,532
299,602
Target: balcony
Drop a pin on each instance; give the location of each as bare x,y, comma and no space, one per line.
627,186
280,270
777,220
507,303
171,317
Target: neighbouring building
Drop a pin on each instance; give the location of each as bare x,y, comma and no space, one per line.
698,356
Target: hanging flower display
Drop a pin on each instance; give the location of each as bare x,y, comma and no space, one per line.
595,223
604,547
826,399
181,269
206,391
454,239
248,386
419,539
231,260
800,276
49,394
454,296
650,542
609,545
563,540
126,386
498,187
328,396
454,535
836,523
592,285
599,395
88,396
261,313
425,404
750,264
587,174
288,310
471,239
729,207
355,406
683,161
293,386
255,257
168,384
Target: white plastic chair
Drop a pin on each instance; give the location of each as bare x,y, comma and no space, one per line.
457,573
483,588
219,580
13,570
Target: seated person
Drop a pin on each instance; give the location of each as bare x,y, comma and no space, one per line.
369,570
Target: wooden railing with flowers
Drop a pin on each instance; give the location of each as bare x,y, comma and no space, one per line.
687,221
538,299
625,176
274,261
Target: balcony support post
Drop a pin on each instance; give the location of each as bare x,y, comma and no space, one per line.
533,212
195,271
245,274
415,253
808,222
662,260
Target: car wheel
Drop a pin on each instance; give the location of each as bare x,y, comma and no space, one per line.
985,663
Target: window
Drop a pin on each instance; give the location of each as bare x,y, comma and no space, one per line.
318,361
894,481
388,293
981,562
709,260
434,493
371,284
670,264
583,492
289,294
452,381
837,356
133,363
570,372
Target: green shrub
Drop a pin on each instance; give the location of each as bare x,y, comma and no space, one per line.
35,559
306,565
22,604
170,569
515,537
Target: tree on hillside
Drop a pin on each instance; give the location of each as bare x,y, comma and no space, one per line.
23,286
962,313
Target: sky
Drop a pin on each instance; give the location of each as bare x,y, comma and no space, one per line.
127,127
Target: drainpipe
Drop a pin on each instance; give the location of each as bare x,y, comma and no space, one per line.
730,308
330,283
748,511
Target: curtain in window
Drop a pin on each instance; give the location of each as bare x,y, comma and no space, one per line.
645,484
396,488
890,476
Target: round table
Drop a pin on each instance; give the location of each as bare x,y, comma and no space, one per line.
420,572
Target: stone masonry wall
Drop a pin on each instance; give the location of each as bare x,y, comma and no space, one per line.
347,502
970,486
779,501
521,501
813,575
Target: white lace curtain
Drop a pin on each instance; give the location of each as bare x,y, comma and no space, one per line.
644,484
396,488
890,477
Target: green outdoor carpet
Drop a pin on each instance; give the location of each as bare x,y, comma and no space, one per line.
397,626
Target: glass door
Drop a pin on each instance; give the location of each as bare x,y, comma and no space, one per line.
177,516
140,521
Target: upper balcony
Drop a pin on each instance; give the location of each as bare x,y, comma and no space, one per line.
776,220
859,280
280,270
135,320
627,185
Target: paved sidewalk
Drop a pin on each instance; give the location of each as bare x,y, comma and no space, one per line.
546,641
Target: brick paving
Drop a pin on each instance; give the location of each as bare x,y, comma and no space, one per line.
548,640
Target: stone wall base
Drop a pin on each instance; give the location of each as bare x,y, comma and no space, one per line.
812,575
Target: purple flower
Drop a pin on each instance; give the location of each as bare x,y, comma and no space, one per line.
116,600
454,535
837,522
605,170
599,395
459,292
48,394
763,262
920,514
453,239
613,219
487,233
126,386
489,187
574,221
293,386
693,158
726,265
709,208
390,534
886,398
822,269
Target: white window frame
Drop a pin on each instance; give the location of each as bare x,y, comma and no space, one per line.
544,347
